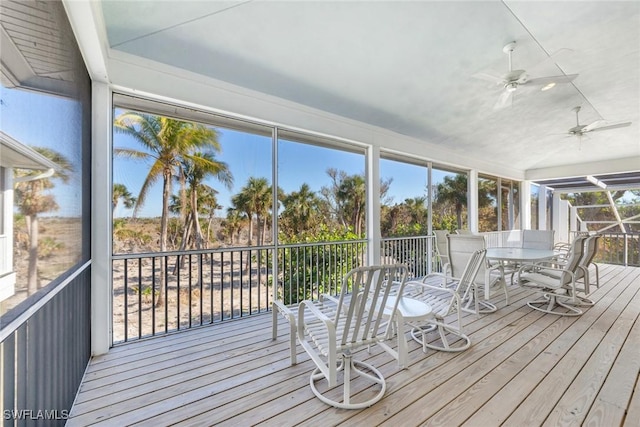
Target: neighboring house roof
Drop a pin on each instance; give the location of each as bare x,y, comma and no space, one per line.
14,154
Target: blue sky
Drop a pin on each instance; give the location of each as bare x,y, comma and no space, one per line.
251,155
247,155
16,113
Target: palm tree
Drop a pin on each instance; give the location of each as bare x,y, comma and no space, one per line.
233,223
348,196
241,203
120,192
301,210
165,141
255,198
453,190
31,201
418,210
196,167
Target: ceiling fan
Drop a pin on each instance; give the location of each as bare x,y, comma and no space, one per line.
579,130
513,79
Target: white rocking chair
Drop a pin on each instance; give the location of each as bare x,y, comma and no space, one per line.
360,317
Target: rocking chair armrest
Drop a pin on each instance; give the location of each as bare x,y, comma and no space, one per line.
423,281
444,290
430,275
329,297
435,288
446,277
313,308
317,313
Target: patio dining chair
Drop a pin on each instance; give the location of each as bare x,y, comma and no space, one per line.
531,239
359,318
537,239
461,248
445,302
556,283
589,252
442,249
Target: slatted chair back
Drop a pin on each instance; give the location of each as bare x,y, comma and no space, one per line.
537,239
364,314
364,288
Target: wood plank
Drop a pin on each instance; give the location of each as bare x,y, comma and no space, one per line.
426,372
611,403
504,402
232,373
575,403
252,409
633,411
541,401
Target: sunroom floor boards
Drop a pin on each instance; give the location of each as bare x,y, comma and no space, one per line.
524,368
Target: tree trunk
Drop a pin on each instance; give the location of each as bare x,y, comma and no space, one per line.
32,274
199,237
250,238
186,234
164,227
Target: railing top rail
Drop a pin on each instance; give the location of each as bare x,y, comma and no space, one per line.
386,239
329,242
229,249
18,321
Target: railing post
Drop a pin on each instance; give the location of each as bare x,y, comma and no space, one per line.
626,250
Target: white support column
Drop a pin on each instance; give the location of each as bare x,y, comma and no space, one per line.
525,205
7,274
542,207
6,216
472,201
101,248
373,205
561,218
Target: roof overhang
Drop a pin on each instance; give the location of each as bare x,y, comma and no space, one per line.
14,154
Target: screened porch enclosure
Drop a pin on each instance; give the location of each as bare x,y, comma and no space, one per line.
338,134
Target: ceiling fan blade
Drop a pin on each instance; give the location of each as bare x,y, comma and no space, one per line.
504,100
543,81
592,126
597,128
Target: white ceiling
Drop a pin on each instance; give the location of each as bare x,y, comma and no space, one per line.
408,66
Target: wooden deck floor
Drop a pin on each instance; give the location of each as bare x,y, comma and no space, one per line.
525,368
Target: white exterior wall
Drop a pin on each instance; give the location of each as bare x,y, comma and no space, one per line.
7,275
